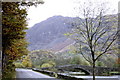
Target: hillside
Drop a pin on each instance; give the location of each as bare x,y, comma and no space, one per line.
49,34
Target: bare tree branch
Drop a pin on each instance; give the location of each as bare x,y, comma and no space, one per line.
84,55
106,49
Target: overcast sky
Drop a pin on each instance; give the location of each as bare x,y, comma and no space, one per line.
59,7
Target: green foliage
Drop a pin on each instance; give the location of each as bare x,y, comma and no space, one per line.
18,65
40,57
37,66
99,63
77,59
86,63
26,62
52,63
9,72
46,65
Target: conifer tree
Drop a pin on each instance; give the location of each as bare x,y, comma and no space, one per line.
14,45
13,34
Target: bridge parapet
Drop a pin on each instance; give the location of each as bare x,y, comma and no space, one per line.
88,69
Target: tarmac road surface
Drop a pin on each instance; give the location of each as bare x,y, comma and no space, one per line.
28,74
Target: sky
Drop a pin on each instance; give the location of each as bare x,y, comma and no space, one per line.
60,7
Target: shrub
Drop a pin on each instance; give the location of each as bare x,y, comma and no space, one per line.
18,65
46,65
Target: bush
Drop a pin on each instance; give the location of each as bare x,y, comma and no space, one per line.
99,63
9,72
79,60
76,60
38,66
46,65
85,63
18,65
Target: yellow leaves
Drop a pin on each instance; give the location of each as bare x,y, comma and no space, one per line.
48,64
26,62
68,34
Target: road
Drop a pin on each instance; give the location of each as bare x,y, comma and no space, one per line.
27,74
100,77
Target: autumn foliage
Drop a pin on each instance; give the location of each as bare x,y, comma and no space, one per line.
13,34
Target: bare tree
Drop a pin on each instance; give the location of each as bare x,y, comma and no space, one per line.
95,31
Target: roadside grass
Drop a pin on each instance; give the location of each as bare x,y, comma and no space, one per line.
111,73
114,73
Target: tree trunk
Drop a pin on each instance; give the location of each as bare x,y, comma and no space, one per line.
93,70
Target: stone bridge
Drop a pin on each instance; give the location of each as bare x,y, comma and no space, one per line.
87,69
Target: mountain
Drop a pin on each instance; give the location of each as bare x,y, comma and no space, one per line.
49,34
48,37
